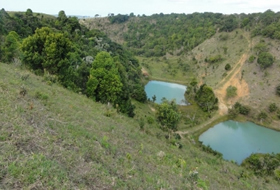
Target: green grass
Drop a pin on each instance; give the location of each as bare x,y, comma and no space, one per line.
52,138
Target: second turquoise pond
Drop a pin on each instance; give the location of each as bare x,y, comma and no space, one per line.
238,140
166,90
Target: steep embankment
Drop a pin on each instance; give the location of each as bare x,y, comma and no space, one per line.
52,138
236,79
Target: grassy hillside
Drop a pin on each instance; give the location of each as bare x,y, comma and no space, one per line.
52,138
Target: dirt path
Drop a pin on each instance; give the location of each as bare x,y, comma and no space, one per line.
234,78
199,127
144,72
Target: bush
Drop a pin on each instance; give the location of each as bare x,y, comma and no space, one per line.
227,67
251,59
265,60
41,96
215,59
278,90
244,110
231,91
141,123
206,98
272,107
168,115
224,37
150,120
232,113
262,115
262,164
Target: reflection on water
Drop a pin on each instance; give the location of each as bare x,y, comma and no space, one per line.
166,90
236,140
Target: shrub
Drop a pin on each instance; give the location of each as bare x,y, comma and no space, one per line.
141,123
262,115
150,120
231,91
272,107
227,67
251,59
262,164
215,59
168,115
224,37
41,96
265,60
244,110
278,90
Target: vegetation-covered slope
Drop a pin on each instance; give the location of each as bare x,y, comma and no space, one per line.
65,50
240,53
52,138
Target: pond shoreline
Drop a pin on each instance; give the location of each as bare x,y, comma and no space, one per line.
238,140
160,89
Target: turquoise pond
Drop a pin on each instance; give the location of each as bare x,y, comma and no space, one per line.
238,140
166,90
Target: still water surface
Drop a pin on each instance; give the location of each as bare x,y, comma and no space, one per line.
165,89
238,140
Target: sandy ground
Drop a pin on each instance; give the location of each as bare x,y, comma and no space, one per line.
235,79
144,72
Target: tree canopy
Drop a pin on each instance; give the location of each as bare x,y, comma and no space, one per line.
60,46
104,82
206,98
167,114
47,50
265,60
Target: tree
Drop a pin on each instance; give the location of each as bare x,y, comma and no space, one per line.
168,115
62,17
154,98
139,93
29,12
206,98
265,60
104,82
10,47
47,50
107,83
230,23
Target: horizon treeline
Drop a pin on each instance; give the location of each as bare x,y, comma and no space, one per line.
159,34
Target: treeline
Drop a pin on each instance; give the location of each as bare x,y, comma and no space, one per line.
65,51
159,34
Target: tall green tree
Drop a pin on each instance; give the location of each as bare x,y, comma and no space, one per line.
104,82
107,83
47,50
206,98
10,48
168,115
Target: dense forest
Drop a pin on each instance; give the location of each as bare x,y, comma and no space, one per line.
64,51
159,34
